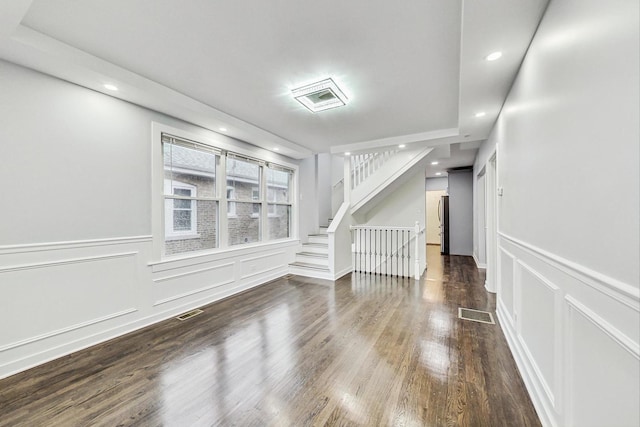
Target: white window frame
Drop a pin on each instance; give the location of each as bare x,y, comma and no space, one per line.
231,204
169,232
222,145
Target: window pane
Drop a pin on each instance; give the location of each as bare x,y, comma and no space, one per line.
278,185
279,221
182,220
244,227
190,166
243,177
188,230
182,204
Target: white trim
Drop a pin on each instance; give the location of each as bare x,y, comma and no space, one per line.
620,291
545,412
478,264
219,254
615,334
67,261
72,244
67,329
558,327
189,273
193,291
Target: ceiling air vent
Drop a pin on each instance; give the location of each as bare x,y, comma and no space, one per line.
320,96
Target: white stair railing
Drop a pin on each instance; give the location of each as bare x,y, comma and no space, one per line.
362,166
385,250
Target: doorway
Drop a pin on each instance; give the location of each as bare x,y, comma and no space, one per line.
433,220
491,204
481,224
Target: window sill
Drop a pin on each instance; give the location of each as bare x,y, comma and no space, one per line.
181,237
222,253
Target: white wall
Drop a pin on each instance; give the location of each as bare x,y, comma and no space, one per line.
568,250
324,188
436,183
308,202
76,243
461,213
403,208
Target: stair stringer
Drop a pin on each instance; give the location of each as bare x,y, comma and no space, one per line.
386,179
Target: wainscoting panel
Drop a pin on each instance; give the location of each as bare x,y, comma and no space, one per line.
574,335
260,264
183,282
603,372
506,281
60,297
51,297
540,325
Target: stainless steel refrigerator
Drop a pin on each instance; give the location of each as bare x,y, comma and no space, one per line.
443,217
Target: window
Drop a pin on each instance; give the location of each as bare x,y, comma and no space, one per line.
191,206
279,183
201,181
255,196
231,206
244,178
180,212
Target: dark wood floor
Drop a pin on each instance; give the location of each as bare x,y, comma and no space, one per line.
364,351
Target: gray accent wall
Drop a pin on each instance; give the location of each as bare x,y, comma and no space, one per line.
461,213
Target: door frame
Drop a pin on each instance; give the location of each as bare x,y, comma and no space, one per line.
491,217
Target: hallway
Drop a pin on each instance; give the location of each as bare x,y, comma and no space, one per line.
361,351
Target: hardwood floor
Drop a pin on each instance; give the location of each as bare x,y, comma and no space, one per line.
364,351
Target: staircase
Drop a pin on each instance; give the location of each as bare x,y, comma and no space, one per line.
313,260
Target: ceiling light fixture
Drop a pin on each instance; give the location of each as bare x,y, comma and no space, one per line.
438,173
109,86
347,153
223,129
401,146
481,114
434,163
320,96
276,149
493,56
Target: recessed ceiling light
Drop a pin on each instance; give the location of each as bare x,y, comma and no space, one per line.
481,114
434,163
276,149
223,129
438,173
320,96
493,56
110,86
401,146
347,153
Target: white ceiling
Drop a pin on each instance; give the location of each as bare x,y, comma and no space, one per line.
414,71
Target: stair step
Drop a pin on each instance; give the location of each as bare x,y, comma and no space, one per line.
313,254
318,235
306,265
318,248
321,239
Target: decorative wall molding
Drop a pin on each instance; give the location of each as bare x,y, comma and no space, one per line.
623,340
191,292
191,272
67,329
72,244
622,292
553,395
67,261
545,411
